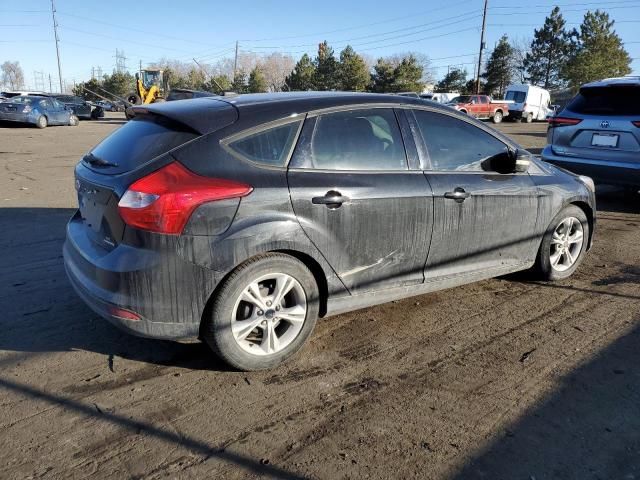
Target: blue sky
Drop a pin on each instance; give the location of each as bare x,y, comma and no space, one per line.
448,32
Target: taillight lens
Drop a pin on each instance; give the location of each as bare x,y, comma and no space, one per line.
637,124
164,200
563,121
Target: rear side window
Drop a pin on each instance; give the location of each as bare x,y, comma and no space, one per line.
270,147
455,145
358,140
517,97
137,142
614,100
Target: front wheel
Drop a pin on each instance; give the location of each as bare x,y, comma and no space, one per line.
73,121
263,313
564,244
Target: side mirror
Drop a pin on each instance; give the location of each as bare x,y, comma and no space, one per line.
522,161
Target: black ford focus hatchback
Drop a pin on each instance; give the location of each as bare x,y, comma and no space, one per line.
242,220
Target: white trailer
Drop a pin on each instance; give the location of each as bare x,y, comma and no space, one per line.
529,102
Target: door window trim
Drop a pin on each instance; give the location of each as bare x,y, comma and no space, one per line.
423,151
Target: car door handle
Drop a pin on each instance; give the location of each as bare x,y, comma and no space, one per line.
459,194
331,199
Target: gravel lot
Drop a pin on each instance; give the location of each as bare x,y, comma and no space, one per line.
504,379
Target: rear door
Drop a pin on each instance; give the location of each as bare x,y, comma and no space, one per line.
483,219
606,130
358,201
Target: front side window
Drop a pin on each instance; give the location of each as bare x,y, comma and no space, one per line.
367,139
269,147
456,145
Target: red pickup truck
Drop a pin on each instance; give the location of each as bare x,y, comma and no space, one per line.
481,106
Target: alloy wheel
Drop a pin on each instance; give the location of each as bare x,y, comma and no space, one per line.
269,314
566,244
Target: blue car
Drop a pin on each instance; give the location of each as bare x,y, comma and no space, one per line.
37,110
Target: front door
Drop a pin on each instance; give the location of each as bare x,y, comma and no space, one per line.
484,220
358,202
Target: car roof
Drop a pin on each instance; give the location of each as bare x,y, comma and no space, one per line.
633,81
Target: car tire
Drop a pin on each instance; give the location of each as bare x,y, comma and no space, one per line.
259,280
560,251
497,117
42,122
529,118
134,98
74,121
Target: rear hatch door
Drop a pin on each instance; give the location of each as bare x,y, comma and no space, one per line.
136,149
607,130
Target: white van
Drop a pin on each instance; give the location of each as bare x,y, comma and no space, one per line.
529,102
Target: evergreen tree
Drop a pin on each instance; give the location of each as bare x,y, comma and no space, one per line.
303,75
551,47
499,68
599,52
454,81
383,77
326,77
239,84
257,83
352,71
408,75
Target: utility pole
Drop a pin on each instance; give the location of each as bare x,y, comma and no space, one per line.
51,88
140,69
235,62
213,80
55,33
484,25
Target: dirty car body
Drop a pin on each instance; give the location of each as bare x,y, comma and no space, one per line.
373,223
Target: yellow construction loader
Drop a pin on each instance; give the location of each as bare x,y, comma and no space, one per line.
150,87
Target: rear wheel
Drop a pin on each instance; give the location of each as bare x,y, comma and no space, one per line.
564,244
263,313
134,98
41,122
529,118
497,117
73,120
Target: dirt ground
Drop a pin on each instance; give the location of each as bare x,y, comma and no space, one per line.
504,379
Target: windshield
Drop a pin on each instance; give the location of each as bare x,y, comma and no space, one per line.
517,97
612,100
462,99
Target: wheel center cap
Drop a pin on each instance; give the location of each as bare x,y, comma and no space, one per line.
269,314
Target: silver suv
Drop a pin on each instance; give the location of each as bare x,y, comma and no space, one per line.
598,133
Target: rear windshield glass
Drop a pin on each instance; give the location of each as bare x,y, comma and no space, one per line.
135,143
517,97
618,100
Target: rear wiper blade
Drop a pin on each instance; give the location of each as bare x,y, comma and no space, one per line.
91,159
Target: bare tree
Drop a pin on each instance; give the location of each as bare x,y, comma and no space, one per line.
275,68
520,47
12,75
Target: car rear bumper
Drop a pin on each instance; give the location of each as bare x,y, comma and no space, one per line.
602,171
18,117
167,293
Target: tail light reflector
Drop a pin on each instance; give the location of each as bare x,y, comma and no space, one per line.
123,313
164,200
563,121
637,124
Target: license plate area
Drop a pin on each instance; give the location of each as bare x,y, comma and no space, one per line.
609,140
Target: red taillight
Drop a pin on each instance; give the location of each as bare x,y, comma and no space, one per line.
563,121
637,124
124,314
164,200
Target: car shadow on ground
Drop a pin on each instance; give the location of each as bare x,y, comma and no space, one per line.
588,427
43,314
